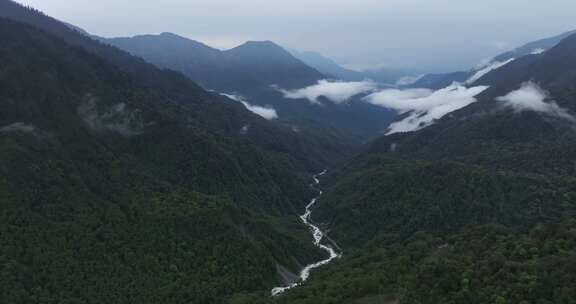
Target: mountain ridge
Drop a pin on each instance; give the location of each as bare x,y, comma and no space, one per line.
438,81
254,71
435,215
221,70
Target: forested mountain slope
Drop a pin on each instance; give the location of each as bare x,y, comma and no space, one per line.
477,208
211,111
253,64
256,71
113,191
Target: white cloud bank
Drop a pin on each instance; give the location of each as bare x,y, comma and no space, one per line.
487,69
336,91
425,106
530,97
267,112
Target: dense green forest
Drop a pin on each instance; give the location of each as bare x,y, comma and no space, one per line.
111,191
121,182
477,208
420,231
479,264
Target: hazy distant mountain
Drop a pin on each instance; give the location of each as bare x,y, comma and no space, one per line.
392,76
327,66
436,81
534,47
251,65
252,71
332,68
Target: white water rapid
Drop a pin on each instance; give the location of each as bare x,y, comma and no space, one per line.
318,236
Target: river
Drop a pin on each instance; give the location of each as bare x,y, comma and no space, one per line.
318,235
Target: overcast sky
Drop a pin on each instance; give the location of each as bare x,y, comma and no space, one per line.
440,35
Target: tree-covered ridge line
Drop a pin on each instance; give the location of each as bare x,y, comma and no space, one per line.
477,208
112,191
480,264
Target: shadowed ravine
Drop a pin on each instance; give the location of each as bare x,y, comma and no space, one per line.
318,236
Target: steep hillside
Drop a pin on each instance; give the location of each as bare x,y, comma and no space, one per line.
534,47
438,81
478,207
327,66
125,187
254,71
251,65
211,111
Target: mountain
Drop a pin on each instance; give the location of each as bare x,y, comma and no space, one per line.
327,66
476,208
392,76
534,47
255,64
438,81
207,107
253,72
143,185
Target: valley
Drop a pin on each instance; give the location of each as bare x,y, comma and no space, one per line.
318,236
154,168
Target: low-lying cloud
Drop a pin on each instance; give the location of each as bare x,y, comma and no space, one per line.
409,80
336,91
531,97
18,127
421,106
487,69
266,112
425,106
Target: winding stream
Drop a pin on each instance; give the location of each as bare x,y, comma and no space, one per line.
318,236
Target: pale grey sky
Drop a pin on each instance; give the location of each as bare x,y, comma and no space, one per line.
428,34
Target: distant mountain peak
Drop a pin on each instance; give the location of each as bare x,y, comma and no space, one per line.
168,34
266,45
260,43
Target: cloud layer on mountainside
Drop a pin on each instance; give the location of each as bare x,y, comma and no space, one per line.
531,97
336,91
266,112
487,69
424,106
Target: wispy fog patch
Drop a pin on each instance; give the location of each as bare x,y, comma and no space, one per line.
336,91
266,112
424,106
531,97
399,100
18,127
487,69
408,80
117,118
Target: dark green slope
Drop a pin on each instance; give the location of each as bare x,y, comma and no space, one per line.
210,111
250,70
255,64
489,133
111,191
477,208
